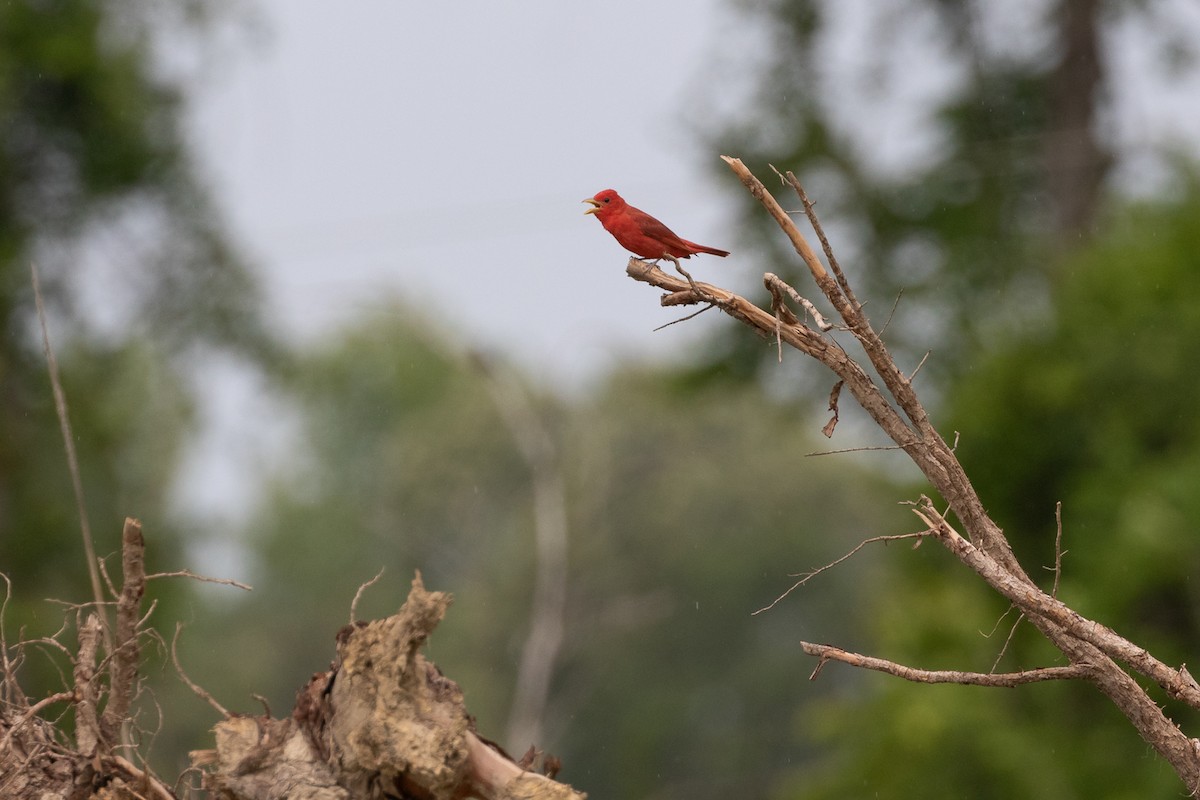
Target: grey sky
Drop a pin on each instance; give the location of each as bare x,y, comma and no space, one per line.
442,150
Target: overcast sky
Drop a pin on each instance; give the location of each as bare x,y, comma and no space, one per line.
441,151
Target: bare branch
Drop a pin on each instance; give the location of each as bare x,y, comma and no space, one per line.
811,212
807,576
143,778
187,573
777,287
781,217
196,689
693,315
1005,679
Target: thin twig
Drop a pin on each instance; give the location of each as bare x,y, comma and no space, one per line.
64,423
921,364
996,627
1012,631
358,594
1058,551
108,582
811,211
266,706
852,450
187,573
892,313
196,689
806,577
148,780
693,315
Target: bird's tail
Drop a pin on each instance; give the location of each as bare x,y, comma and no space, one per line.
712,251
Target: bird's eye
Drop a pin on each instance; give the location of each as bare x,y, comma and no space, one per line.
608,200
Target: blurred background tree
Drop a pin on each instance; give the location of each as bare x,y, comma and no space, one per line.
96,187
686,508
957,151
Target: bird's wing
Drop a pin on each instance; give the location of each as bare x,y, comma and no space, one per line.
651,227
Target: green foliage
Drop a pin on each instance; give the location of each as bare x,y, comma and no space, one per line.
1098,411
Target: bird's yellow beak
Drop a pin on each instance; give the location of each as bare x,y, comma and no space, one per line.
595,205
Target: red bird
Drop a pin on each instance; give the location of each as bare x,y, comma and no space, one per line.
640,233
